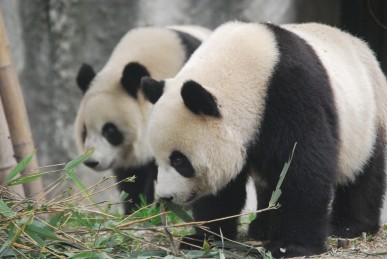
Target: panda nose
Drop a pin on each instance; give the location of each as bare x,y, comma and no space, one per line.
91,163
168,198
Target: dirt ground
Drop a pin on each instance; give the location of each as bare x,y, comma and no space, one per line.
372,247
362,247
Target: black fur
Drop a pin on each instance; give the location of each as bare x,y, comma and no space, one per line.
112,134
181,164
84,133
300,108
152,89
356,207
189,42
131,77
199,100
85,75
143,184
229,201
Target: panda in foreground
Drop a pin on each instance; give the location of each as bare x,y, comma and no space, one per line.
113,114
238,106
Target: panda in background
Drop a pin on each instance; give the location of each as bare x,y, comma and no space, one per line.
113,114
238,106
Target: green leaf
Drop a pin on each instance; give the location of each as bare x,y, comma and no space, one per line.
82,188
130,179
25,179
90,255
221,254
178,210
147,254
54,220
9,240
34,236
19,168
70,168
195,254
82,221
43,231
5,210
124,195
206,246
277,193
78,161
21,229
228,254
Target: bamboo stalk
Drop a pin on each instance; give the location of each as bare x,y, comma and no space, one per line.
15,112
7,160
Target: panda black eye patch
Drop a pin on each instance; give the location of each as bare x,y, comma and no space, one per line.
112,134
84,133
181,164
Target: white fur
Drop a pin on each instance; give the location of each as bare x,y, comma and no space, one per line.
215,147
355,90
161,52
235,64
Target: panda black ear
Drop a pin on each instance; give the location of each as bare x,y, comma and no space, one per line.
85,75
131,77
152,89
199,100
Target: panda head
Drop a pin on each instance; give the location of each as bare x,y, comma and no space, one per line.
195,153
112,117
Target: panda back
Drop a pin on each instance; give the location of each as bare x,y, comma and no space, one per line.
359,88
198,32
157,49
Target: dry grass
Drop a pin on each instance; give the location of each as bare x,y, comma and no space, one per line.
73,225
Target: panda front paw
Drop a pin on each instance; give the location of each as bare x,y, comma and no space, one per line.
193,242
281,249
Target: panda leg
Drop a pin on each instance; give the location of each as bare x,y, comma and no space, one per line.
142,185
259,228
150,178
300,226
357,205
229,201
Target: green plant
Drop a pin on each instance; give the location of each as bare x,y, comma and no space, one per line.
74,225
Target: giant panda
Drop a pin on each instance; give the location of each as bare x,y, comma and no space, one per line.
113,113
238,107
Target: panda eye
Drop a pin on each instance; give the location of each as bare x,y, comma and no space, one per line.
84,133
181,164
112,134
177,161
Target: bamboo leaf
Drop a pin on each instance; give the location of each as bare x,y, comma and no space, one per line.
79,160
34,236
196,254
19,168
25,179
206,246
9,240
178,210
42,231
20,230
82,188
130,179
54,220
277,193
124,195
5,210
70,168
90,255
